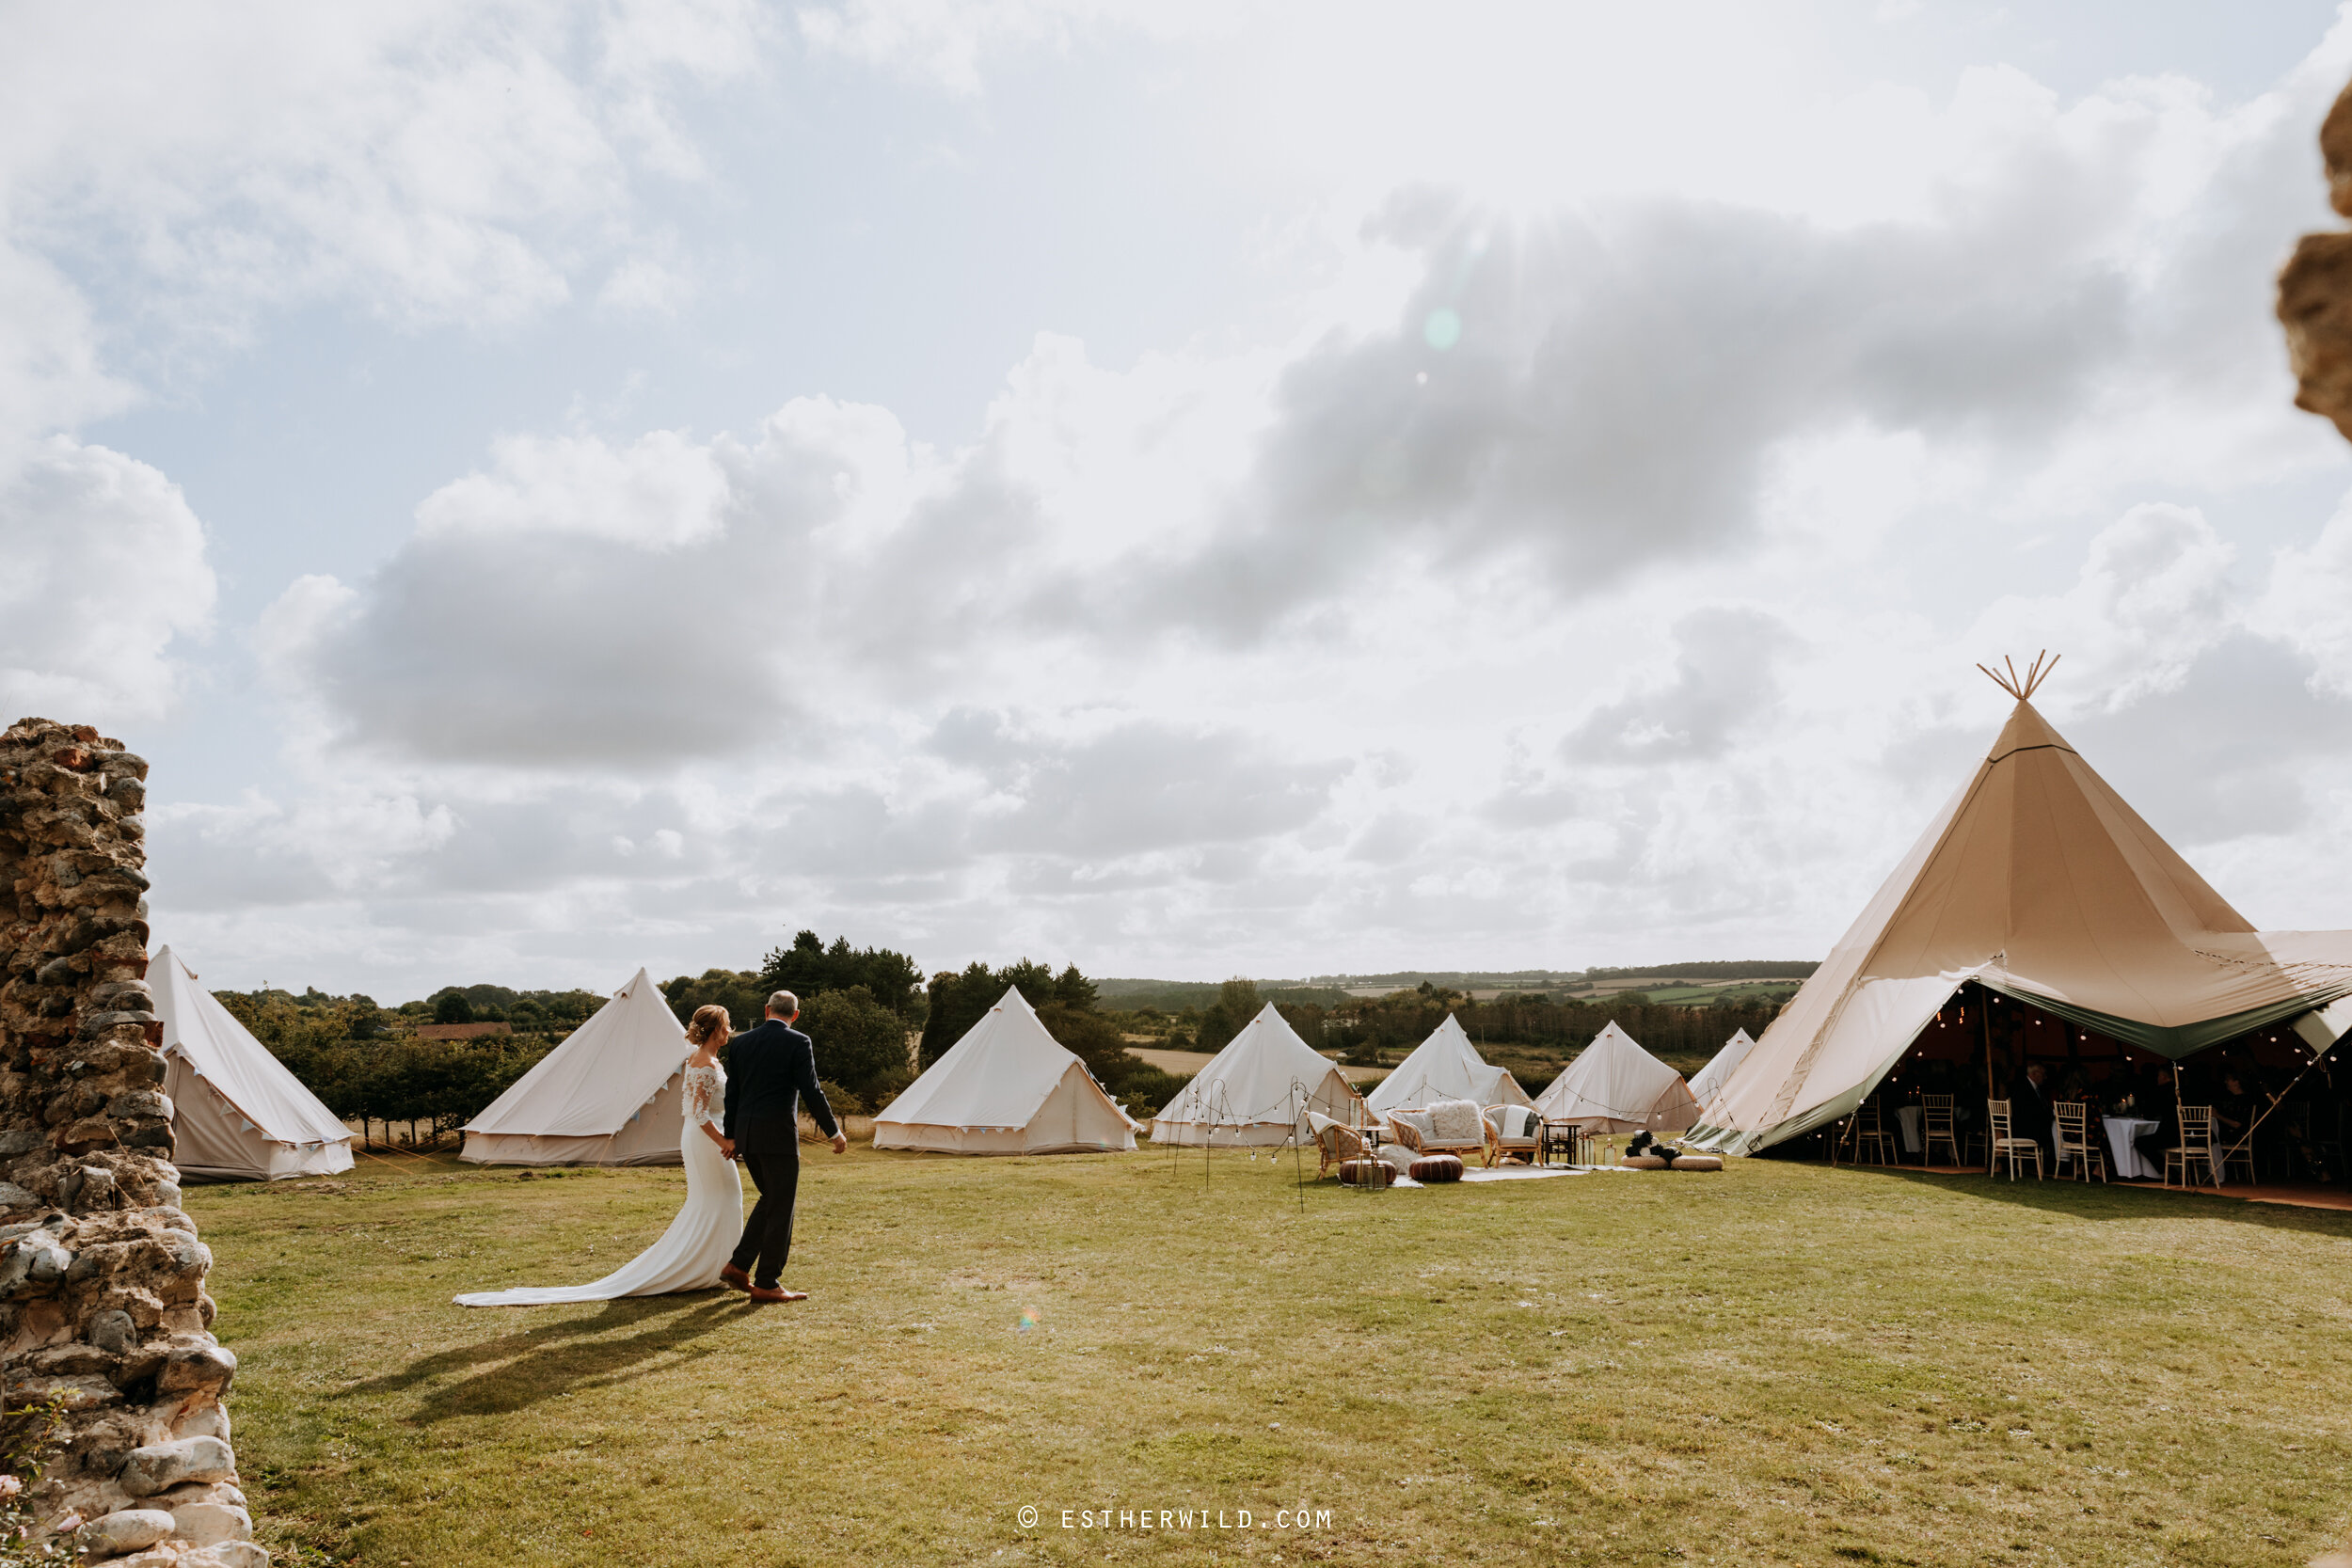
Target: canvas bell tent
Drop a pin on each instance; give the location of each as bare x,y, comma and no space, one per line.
1716,1072
237,1115
1616,1087
2036,901
608,1095
1445,1067
1257,1091
1006,1087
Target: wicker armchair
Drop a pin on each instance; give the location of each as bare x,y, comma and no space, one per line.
1514,1131
1417,1131
1335,1143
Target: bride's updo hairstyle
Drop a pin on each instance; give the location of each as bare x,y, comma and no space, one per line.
709,1020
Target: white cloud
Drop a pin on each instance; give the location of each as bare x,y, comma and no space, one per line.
105,568
440,161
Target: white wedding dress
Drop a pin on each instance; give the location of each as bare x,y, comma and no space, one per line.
699,1241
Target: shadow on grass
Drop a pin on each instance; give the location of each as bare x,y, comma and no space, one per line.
556,1358
2103,1201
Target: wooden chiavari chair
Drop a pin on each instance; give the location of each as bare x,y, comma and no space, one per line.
2004,1146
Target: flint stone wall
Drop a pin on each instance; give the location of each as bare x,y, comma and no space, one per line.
101,1273
2315,288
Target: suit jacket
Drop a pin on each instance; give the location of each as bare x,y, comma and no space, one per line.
2029,1111
769,1069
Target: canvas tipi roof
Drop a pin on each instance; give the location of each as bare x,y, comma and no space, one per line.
1616,1087
1257,1090
592,1100
236,1111
2037,881
1716,1072
1445,1067
1006,1087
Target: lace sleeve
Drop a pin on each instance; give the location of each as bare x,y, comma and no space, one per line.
698,1086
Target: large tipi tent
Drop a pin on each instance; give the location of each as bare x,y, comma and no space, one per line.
1616,1087
2037,882
1445,1067
1716,1072
1006,1087
1257,1091
236,1112
608,1095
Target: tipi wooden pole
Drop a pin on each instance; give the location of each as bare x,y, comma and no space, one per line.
1984,1023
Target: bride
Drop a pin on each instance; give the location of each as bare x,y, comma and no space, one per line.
696,1246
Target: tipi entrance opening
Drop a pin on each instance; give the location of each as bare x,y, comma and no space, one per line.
2282,1107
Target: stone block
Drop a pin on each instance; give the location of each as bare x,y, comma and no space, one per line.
161,1465
207,1367
32,1264
126,1531
228,1554
112,1330
209,1523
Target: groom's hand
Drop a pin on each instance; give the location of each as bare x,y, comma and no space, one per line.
841,1143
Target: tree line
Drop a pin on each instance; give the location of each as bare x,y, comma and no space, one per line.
366,1066
876,1022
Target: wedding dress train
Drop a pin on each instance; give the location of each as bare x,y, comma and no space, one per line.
699,1241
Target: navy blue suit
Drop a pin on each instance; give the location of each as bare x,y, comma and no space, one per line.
770,1069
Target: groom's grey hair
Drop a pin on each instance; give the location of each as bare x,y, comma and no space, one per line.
783,1002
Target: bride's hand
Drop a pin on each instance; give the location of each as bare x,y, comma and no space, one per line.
726,1148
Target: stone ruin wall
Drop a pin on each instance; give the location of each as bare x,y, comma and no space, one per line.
102,1274
2315,308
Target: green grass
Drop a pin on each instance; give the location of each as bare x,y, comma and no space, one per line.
1779,1364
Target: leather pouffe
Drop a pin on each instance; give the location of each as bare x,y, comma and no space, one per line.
1366,1173
1438,1168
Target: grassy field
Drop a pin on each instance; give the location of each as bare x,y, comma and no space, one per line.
1780,1364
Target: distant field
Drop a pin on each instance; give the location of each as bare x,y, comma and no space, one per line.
1185,1062
1781,1363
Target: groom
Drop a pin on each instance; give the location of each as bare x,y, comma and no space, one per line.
768,1069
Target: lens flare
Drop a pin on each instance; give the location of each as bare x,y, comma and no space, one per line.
1029,1321
1443,329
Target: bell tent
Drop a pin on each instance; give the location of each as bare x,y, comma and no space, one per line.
1006,1087
1716,1072
608,1095
1616,1087
1257,1091
2037,883
237,1115
1445,1067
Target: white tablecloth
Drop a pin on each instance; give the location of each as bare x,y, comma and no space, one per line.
1907,1118
2123,1154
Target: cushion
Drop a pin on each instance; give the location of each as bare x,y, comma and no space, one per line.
1698,1161
1644,1162
1397,1155
1418,1120
1367,1173
1457,1121
1438,1168
1514,1121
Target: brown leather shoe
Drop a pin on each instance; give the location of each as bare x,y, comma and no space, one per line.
734,1278
763,1294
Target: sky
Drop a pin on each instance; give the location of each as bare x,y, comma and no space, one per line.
1189,490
